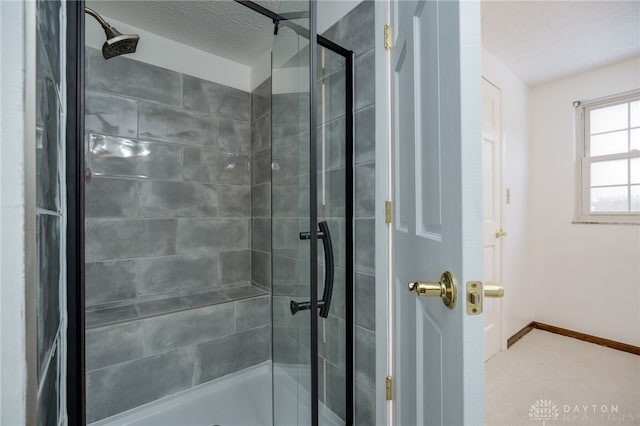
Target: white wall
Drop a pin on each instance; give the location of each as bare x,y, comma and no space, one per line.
586,277
163,52
517,306
13,366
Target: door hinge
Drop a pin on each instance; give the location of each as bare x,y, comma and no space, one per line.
388,37
387,212
389,388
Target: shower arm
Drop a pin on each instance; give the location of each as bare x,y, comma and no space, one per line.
98,18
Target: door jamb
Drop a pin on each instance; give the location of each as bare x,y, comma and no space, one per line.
383,308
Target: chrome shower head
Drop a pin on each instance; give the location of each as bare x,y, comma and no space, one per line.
117,43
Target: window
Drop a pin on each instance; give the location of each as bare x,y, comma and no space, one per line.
608,141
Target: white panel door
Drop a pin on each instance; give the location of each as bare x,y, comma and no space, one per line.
491,196
437,222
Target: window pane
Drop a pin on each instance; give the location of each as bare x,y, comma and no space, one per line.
609,143
609,118
635,198
635,114
635,170
611,199
635,139
609,172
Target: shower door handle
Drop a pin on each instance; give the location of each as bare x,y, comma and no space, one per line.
327,245
328,269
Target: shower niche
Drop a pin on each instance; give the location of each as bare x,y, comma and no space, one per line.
202,202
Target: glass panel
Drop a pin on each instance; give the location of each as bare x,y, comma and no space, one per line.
48,398
635,198
48,289
49,128
50,237
635,170
634,114
635,140
290,198
610,199
610,118
175,287
331,153
609,173
48,27
609,143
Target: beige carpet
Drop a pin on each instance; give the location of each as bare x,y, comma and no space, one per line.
551,380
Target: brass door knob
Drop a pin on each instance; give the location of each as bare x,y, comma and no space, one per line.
501,233
446,288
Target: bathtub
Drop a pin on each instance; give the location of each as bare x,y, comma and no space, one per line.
239,399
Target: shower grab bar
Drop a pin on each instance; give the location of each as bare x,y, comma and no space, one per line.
325,303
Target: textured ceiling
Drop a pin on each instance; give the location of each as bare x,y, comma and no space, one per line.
538,40
221,27
541,41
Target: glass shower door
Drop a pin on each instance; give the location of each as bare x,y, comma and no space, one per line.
334,194
311,203
290,209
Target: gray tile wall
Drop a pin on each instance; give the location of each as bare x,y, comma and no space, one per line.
135,362
169,205
169,225
356,32
50,238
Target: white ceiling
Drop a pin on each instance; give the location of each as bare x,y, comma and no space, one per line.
538,40
222,27
542,41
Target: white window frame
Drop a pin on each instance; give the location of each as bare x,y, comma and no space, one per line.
583,162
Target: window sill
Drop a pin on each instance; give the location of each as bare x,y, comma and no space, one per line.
607,220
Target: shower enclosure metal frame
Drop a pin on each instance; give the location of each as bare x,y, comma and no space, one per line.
75,183
76,414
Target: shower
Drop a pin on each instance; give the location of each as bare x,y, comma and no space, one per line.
117,43
198,217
